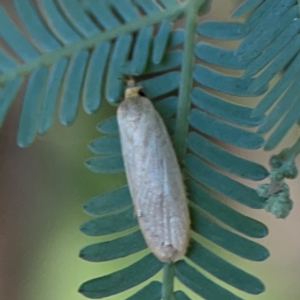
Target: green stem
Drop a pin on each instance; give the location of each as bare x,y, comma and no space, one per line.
186,80
168,281
90,42
294,151
181,130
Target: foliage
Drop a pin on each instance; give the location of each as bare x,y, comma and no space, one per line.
73,50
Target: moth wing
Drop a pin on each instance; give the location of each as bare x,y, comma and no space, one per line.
166,218
156,184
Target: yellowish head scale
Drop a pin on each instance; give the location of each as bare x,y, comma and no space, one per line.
133,91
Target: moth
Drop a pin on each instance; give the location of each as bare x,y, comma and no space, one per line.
154,177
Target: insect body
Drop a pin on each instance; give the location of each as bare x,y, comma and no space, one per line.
154,177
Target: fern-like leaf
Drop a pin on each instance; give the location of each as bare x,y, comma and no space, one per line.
212,116
273,49
67,51
75,50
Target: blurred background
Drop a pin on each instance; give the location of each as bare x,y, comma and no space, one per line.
42,191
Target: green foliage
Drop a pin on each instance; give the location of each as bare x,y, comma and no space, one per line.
75,50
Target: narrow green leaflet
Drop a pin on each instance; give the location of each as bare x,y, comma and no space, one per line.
114,249
114,283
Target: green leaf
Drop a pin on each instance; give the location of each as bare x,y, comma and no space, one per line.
224,213
246,7
286,124
114,87
106,145
220,268
226,239
102,12
126,10
109,126
255,41
69,33
161,85
38,30
196,281
59,23
179,295
78,18
152,291
110,224
30,110
160,42
229,84
52,90
281,108
140,53
273,49
223,109
219,56
171,60
72,88
278,64
225,160
258,15
108,202
235,190
105,164
114,283
92,97
15,39
221,30
225,132
117,248
292,71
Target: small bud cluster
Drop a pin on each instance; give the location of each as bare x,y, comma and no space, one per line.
283,166
279,204
277,193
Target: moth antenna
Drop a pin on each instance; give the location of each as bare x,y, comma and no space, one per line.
130,83
128,80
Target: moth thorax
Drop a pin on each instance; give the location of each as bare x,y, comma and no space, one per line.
132,107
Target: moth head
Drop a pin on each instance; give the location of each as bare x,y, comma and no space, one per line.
134,91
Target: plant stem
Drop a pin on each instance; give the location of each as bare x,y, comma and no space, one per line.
295,149
90,42
181,130
186,80
168,281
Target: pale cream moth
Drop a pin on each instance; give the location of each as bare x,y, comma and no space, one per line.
154,176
